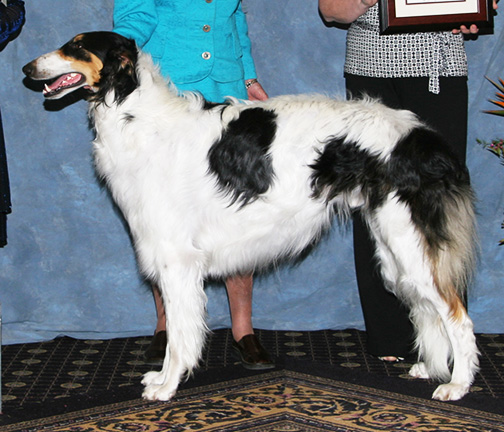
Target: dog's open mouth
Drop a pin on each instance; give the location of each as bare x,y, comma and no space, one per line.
64,82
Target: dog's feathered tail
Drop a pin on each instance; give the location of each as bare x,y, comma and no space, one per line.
436,186
453,261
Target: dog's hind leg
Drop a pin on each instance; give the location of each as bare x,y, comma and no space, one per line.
432,343
443,328
442,338
181,285
449,338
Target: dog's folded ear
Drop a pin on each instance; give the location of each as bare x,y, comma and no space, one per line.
125,58
119,72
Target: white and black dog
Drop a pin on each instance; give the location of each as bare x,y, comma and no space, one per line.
211,190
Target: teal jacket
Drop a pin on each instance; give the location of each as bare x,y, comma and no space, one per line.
191,40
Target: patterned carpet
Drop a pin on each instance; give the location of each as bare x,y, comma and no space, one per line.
324,381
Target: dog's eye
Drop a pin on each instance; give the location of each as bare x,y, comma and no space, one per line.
76,45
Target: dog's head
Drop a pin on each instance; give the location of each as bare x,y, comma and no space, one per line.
97,61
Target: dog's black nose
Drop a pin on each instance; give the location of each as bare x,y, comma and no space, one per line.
28,69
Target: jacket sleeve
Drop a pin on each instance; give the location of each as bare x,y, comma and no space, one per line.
135,19
11,18
242,28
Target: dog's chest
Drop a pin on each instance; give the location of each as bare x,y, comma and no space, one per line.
117,145
119,168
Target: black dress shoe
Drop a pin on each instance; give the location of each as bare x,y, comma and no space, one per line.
155,352
252,354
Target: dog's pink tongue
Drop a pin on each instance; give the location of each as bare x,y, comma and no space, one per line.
63,81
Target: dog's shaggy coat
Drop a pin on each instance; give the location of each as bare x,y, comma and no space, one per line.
211,190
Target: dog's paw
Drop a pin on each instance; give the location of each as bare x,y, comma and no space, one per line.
155,392
152,378
419,370
450,392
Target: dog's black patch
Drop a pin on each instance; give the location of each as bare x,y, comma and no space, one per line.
207,105
342,167
240,159
425,173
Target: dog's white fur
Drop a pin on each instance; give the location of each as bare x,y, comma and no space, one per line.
186,230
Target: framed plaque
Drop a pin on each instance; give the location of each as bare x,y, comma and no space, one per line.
400,16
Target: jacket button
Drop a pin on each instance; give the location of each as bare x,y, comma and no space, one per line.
206,55
206,28
209,1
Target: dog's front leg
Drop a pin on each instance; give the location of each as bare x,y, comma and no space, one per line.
185,301
163,385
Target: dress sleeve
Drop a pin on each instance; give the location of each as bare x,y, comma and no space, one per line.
12,18
242,28
135,19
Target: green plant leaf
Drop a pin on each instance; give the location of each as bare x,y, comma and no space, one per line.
495,112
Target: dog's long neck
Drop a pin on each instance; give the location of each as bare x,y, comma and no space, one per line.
152,93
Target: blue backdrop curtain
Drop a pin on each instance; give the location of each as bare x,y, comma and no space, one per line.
69,268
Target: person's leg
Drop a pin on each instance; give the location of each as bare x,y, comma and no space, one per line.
156,350
252,353
248,347
389,330
239,289
160,310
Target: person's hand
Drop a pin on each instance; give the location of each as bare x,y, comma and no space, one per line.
255,91
473,29
344,11
369,3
